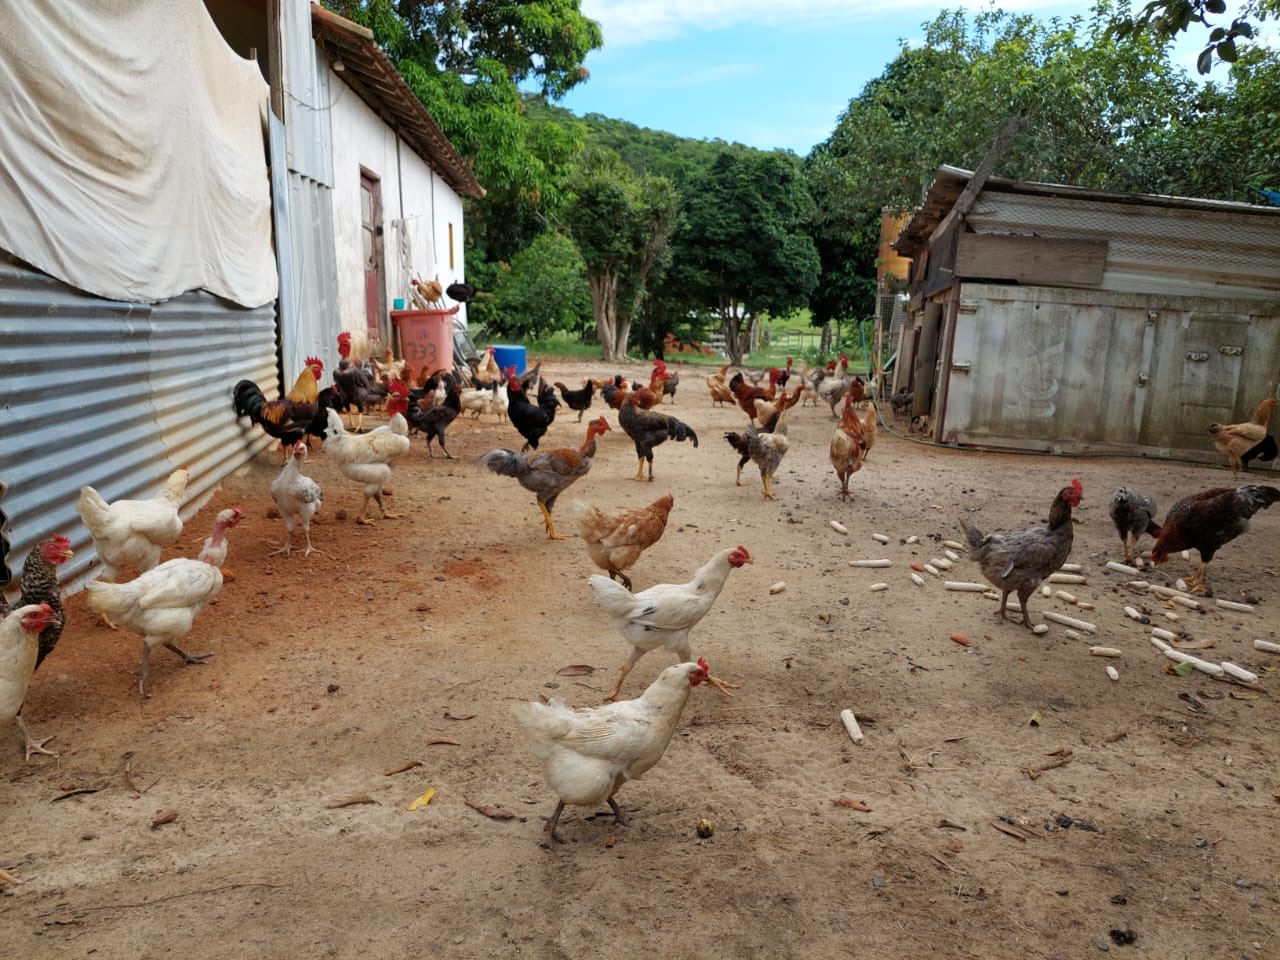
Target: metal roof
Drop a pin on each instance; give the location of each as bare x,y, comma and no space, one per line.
370,73
949,183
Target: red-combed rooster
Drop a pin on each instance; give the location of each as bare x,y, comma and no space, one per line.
1019,562
548,474
306,389
588,754
1208,521
40,585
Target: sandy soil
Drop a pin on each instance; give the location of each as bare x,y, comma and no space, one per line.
409,641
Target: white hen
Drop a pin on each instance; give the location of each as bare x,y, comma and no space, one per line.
366,457
131,533
662,616
588,754
19,647
162,604
297,497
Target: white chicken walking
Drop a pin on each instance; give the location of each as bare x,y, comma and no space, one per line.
366,458
662,616
162,604
588,754
297,497
19,646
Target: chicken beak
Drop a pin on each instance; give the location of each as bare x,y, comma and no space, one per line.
722,685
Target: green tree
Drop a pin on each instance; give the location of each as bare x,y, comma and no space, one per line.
467,62
621,223
1165,19
543,290
744,247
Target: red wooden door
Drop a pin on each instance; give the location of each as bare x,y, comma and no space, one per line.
374,264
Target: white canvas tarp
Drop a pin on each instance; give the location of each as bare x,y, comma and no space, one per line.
132,157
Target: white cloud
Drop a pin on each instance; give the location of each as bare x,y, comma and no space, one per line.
628,22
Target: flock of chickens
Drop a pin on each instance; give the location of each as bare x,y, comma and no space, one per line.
587,754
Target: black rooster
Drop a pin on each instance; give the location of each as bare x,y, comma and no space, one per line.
529,419
285,420
648,429
579,399
433,421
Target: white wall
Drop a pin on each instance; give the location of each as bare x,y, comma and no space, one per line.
416,205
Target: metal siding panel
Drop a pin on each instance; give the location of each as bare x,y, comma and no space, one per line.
306,95
314,328
116,395
1181,251
1060,369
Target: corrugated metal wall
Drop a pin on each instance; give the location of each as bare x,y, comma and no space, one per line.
1079,370
116,395
1172,250
309,319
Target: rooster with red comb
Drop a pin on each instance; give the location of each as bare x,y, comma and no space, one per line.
1020,562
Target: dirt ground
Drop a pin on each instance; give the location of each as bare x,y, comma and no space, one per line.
1146,805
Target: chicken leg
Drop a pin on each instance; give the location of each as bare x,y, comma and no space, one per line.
640,471
550,524
768,487
33,745
738,481
144,670
1196,582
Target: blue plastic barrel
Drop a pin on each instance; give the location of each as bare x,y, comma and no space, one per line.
506,355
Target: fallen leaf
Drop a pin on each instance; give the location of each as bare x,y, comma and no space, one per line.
162,817
449,740
493,813
1181,669
449,715
1060,752
1035,719
961,639
576,670
351,801
851,804
610,840
407,765
423,800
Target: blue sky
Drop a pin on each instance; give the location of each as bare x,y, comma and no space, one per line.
767,73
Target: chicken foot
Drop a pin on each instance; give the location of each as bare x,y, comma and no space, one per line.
620,576
144,670
550,524
768,487
33,745
1196,582
364,518
1026,614
640,472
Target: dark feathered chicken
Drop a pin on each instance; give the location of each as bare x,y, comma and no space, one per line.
579,399
359,389
1133,514
1207,521
285,420
531,420
462,292
434,420
1019,562
647,429
548,473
